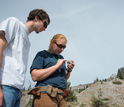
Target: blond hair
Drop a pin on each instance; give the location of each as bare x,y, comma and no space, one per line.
56,38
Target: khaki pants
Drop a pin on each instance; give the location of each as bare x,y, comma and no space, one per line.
46,101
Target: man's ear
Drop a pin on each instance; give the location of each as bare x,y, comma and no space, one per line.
36,18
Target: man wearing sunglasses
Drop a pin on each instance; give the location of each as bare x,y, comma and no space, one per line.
14,50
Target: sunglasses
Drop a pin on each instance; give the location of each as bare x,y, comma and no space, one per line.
60,46
45,24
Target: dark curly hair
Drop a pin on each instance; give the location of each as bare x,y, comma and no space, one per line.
40,13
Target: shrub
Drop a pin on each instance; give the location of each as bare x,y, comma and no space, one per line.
97,102
80,90
82,105
120,73
72,96
69,105
117,82
105,99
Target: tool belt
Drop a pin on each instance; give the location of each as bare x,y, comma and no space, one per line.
52,91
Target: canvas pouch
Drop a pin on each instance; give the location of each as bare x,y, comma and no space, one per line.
52,91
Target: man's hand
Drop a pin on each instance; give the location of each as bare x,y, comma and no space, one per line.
60,62
70,66
3,44
1,97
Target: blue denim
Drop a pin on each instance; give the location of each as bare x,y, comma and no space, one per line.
11,96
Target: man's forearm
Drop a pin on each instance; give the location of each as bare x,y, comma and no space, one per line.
3,44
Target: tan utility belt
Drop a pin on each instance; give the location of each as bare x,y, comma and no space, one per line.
52,91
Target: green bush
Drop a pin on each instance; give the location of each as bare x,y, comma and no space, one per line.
97,102
80,90
105,99
69,105
82,105
72,96
120,74
117,82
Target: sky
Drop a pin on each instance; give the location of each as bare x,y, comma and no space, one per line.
94,30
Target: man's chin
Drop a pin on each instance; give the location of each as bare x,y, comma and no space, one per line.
36,32
59,53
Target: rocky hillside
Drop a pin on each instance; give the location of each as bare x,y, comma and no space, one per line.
112,91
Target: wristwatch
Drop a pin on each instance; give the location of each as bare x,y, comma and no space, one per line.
68,70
